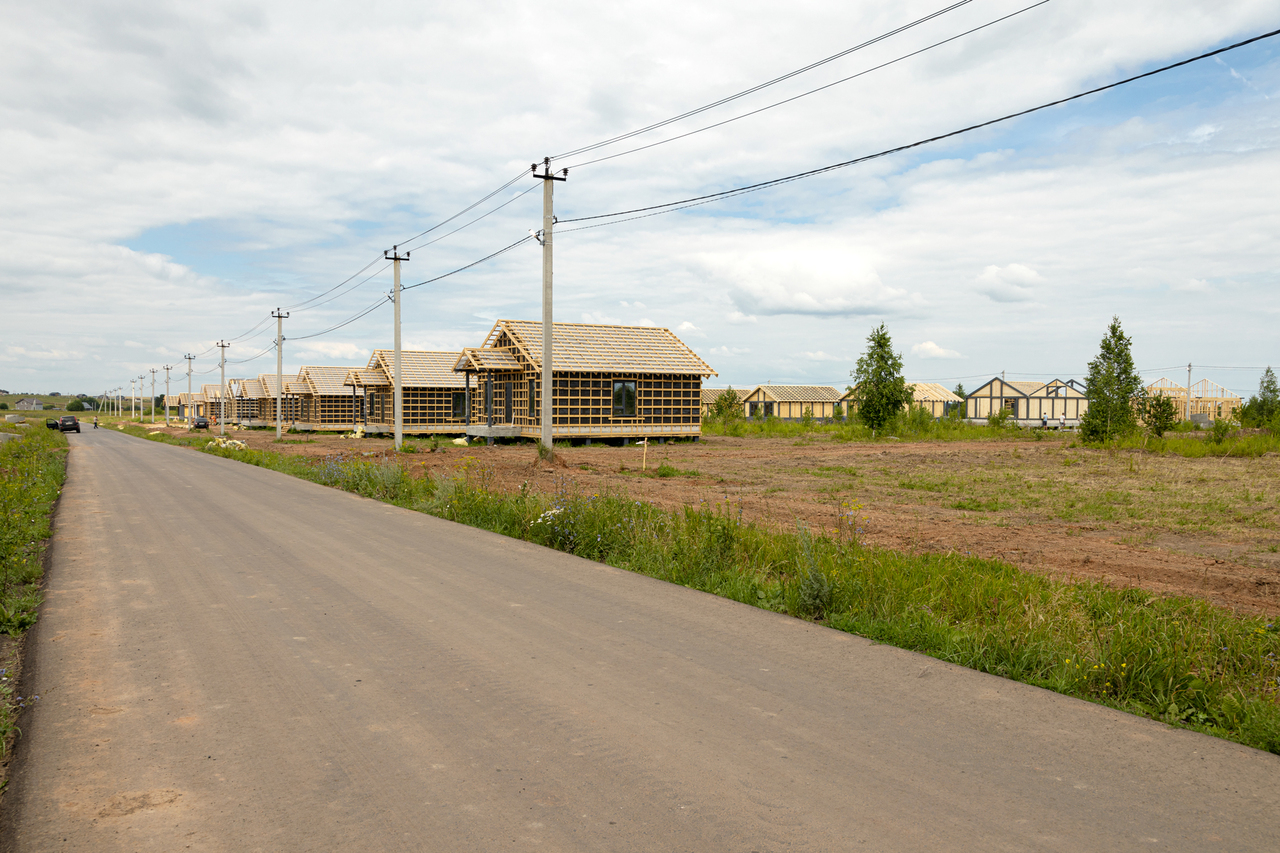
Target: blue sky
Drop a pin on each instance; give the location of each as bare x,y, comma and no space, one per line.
178,173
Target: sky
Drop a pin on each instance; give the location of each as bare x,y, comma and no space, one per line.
172,173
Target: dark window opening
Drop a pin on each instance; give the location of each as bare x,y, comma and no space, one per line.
459,405
624,398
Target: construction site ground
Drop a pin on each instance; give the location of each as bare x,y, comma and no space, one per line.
1204,527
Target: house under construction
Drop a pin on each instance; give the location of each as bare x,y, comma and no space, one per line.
1209,400
1028,403
610,382
434,396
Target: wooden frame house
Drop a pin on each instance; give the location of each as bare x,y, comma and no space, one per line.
1028,402
265,408
616,382
789,402
434,395
1209,400
239,404
324,403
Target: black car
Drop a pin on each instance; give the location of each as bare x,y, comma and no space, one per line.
200,422
68,423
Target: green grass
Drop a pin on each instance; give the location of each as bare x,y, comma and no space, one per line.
32,471
903,428
1201,445
1179,660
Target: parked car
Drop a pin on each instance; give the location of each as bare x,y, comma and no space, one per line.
51,423
68,423
200,422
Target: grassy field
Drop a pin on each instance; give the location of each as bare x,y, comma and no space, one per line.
32,470
1176,659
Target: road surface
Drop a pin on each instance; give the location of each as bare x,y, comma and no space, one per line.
230,659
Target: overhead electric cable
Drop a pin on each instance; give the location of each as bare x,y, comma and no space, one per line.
381,301
758,87
515,197
668,207
805,94
466,209
301,305
501,251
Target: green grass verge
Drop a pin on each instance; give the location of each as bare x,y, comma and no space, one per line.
32,471
1199,446
1178,660
902,428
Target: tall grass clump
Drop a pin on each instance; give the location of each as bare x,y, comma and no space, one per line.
33,468
1200,446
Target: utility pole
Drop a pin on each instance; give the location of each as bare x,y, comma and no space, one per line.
394,255
280,318
1188,392
167,368
191,406
222,389
548,220
132,382
153,394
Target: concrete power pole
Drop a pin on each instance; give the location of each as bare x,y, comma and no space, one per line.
222,388
191,406
394,255
153,394
1188,392
548,220
133,381
280,318
167,368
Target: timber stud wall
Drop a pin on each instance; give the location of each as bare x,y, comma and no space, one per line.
421,407
326,409
586,399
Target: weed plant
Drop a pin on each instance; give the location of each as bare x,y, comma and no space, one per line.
32,471
1199,446
1175,659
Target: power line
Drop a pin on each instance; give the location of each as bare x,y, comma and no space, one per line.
760,86
808,93
501,251
381,301
669,207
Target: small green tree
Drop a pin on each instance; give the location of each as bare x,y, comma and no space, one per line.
75,406
1112,386
1159,413
727,406
960,392
878,387
1264,407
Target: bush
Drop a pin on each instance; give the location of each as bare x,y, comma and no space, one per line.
75,406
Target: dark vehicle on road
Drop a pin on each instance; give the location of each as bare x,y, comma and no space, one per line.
68,423
201,422
51,423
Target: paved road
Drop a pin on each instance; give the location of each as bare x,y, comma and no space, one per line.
233,660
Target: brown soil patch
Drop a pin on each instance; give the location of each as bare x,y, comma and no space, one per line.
1203,527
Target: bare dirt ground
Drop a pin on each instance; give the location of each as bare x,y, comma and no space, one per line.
1204,527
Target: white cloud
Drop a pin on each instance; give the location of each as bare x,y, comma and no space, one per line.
929,349
793,273
1012,283
822,356
738,318
634,306
600,318
688,328
341,352
728,351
